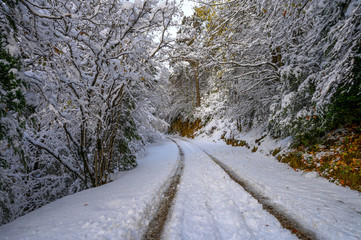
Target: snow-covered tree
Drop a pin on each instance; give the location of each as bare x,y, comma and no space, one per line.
319,52
230,51
13,111
291,65
89,67
189,79
88,54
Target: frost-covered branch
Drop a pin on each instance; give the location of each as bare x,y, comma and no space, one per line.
27,4
55,154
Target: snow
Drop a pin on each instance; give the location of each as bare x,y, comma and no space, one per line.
331,211
127,5
118,210
208,204
104,33
13,71
287,100
13,49
353,7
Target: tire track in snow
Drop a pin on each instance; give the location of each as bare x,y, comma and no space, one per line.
285,220
156,225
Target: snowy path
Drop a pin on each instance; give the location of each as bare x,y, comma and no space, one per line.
156,225
328,210
285,219
209,205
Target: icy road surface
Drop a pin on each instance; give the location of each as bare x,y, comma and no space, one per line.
208,203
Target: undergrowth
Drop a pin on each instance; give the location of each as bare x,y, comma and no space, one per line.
234,142
336,157
185,128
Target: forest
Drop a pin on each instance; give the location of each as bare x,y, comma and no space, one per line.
85,85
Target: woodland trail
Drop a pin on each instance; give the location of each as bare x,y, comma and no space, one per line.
286,221
309,206
157,224
199,190
212,204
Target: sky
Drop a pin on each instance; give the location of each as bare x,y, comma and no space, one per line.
188,7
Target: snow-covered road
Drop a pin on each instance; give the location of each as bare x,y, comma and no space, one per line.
208,203
328,210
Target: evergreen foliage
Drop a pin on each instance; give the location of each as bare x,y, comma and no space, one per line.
11,88
124,155
345,107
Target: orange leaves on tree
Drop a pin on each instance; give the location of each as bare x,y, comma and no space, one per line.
204,13
56,50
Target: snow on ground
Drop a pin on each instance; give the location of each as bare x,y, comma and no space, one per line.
331,211
118,210
209,205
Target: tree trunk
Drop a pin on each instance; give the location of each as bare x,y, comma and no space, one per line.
198,95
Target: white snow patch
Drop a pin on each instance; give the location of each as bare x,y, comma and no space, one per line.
104,33
288,99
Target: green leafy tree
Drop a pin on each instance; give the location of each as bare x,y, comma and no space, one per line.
12,98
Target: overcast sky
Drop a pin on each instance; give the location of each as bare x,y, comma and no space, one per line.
187,7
